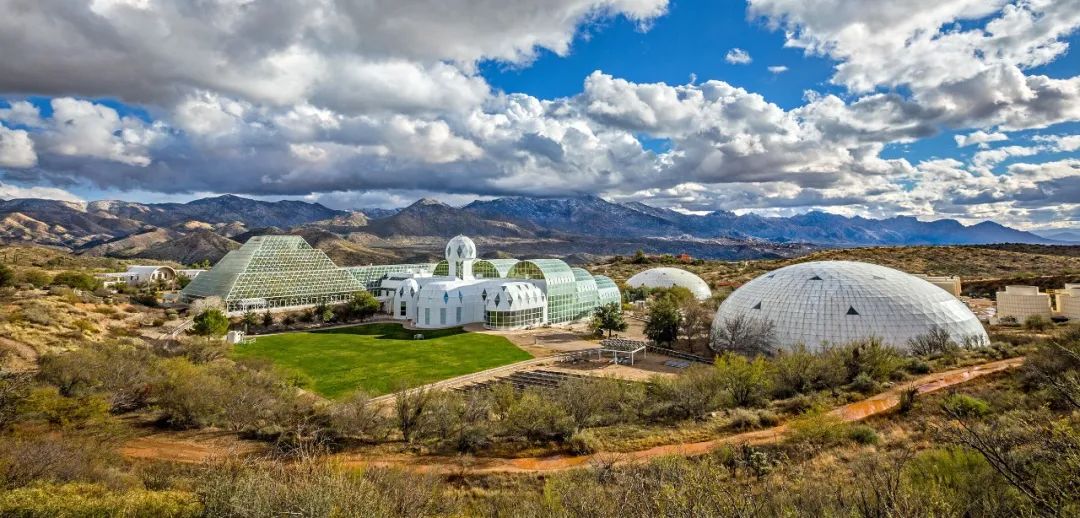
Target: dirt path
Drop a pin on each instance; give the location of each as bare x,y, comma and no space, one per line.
190,449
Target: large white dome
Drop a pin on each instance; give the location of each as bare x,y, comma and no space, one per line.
842,301
668,277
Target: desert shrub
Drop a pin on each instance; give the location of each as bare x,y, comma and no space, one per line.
743,419
864,384
7,276
918,366
53,458
767,418
122,373
1037,323
36,278
598,401
817,428
149,300
202,351
188,395
964,405
908,396
80,499
47,404
870,357
1053,368
78,280
536,417
355,417
863,434
584,442
800,371
84,326
458,422
243,489
37,314
13,390
693,394
744,382
957,482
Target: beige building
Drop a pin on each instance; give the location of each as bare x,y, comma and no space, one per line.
1021,302
950,284
1068,301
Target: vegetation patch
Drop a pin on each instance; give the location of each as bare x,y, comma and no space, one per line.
376,357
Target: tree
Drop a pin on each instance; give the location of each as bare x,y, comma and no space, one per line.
211,322
696,321
7,277
744,334
363,305
609,317
182,281
639,257
249,319
1037,323
662,322
267,319
936,340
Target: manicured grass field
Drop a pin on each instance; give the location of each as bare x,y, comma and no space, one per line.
375,357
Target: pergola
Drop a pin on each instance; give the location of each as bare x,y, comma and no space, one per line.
622,347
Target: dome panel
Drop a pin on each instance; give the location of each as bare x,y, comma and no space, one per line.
842,301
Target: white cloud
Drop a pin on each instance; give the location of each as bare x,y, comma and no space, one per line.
737,56
16,149
979,138
8,191
778,69
81,128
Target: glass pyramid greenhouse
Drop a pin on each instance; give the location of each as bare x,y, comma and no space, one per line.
273,272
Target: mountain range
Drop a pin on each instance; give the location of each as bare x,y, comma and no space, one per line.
207,228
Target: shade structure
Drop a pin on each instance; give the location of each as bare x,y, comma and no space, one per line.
838,302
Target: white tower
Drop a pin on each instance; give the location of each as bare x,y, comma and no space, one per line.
460,254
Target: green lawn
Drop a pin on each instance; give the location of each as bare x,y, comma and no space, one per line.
374,357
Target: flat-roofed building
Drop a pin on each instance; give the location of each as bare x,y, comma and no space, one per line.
1021,302
138,275
1068,301
949,283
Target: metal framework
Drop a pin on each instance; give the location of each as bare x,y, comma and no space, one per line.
274,272
559,281
607,291
371,275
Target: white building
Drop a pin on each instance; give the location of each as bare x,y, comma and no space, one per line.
139,275
667,277
1068,301
501,294
1021,302
839,302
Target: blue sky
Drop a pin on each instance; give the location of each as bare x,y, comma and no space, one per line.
635,100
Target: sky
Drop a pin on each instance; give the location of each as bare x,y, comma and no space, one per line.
964,109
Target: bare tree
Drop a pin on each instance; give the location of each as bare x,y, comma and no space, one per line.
696,319
744,334
409,406
936,340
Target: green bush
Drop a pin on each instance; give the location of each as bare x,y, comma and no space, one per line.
79,280
584,442
536,417
1037,323
744,382
864,384
863,434
963,405
870,357
211,322
818,428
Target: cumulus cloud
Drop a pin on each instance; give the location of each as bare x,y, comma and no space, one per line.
979,138
737,56
16,148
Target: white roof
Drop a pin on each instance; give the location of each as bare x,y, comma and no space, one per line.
667,277
843,301
460,248
515,296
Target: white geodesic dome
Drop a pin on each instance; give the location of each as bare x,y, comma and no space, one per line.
843,301
667,277
460,248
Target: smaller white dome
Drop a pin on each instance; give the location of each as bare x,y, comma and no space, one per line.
460,248
667,277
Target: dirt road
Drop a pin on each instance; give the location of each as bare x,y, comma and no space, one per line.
173,447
